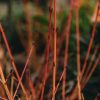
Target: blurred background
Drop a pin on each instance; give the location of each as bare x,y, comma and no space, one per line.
25,22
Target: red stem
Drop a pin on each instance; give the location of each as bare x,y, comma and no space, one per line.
67,30
90,64
31,86
90,43
91,72
47,51
26,64
54,59
12,60
61,77
78,50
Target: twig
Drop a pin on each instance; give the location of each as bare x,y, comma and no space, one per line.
48,74
2,98
90,43
28,22
61,77
47,51
91,72
12,60
78,50
26,64
12,85
54,59
90,64
31,86
67,31
4,84
74,94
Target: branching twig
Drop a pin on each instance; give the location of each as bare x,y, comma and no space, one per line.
91,72
90,64
90,43
12,60
74,93
4,83
26,64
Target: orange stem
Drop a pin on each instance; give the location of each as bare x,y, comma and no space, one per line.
31,85
91,72
90,43
47,51
78,51
90,64
12,60
67,30
27,61
61,77
4,83
54,59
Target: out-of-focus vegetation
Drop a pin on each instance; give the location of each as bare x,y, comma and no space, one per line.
26,21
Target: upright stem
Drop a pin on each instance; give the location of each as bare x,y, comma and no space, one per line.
78,51
47,50
54,59
90,43
4,83
74,94
28,22
12,85
12,60
67,30
31,85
